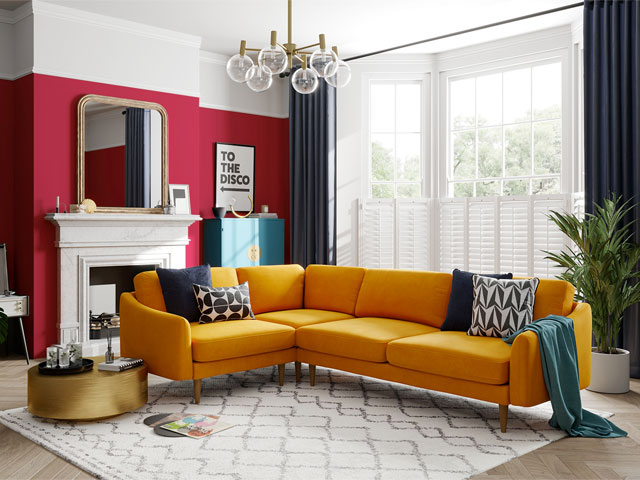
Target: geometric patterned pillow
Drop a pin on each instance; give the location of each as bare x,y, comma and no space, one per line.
223,303
501,307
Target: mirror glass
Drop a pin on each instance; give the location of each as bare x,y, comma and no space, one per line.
123,155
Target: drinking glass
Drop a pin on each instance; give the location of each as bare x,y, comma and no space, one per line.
63,358
52,357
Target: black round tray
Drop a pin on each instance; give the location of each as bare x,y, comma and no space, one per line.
87,366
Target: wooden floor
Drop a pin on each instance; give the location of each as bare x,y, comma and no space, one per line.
569,458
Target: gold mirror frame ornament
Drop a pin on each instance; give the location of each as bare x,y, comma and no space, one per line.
123,102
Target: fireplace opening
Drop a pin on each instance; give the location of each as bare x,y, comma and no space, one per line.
106,284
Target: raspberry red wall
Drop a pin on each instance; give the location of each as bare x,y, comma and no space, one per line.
270,136
7,134
43,125
106,183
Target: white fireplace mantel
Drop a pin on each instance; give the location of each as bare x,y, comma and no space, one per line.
106,239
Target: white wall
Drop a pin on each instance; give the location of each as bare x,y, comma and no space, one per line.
16,42
218,91
353,116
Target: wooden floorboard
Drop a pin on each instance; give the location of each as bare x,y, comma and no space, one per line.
569,458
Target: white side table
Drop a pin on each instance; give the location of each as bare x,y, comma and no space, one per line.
17,306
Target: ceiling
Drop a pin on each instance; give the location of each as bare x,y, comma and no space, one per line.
356,26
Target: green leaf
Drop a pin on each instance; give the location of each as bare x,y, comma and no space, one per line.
4,326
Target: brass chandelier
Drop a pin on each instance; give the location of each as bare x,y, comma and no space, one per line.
278,59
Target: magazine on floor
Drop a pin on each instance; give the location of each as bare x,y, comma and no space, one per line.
196,426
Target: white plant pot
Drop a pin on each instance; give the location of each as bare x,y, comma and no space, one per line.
610,373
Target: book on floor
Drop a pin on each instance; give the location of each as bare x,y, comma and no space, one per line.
120,364
197,426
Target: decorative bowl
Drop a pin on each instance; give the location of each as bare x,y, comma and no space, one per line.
219,212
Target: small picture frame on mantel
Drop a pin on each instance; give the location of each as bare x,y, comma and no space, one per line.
180,199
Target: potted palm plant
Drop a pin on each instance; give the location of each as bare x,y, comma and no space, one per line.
603,266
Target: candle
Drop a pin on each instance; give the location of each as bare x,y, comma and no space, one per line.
57,204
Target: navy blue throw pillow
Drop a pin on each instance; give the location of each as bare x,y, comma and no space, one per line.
177,289
461,300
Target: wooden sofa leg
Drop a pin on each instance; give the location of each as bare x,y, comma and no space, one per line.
298,371
312,375
281,373
197,385
504,416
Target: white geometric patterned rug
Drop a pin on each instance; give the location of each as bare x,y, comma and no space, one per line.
346,427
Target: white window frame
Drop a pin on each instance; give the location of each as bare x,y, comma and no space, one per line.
368,79
520,61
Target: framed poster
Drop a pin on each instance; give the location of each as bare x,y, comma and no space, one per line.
234,174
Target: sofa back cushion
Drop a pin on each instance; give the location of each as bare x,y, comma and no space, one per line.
327,287
149,291
420,297
553,297
273,287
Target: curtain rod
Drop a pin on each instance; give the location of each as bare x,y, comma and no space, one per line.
468,30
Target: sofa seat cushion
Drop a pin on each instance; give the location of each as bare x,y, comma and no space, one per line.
238,338
360,338
302,316
454,354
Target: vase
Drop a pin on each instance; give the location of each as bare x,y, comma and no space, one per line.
610,372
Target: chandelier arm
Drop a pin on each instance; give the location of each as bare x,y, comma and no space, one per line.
289,23
252,49
304,52
309,46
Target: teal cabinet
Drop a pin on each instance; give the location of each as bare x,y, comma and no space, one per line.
243,242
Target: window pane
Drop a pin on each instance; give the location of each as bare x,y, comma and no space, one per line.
408,107
409,190
489,91
547,147
517,150
464,154
517,95
383,108
490,152
547,87
486,189
382,157
516,187
545,185
382,190
463,189
408,157
462,100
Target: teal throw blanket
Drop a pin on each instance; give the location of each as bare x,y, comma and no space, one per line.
560,368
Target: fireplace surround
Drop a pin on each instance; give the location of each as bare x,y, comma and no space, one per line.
85,241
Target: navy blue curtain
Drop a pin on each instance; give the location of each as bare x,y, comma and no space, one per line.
137,190
312,162
612,120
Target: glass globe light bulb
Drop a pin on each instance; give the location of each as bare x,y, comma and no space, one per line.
341,74
320,59
304,81
237,67
259,78
273,57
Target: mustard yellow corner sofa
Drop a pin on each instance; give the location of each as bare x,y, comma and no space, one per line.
378,323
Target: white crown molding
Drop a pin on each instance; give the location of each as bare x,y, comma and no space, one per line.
15,75
213,58
511,43
111,81
103,21
14,16
425,59
248,111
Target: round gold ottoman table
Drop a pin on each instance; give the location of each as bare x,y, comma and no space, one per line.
86,396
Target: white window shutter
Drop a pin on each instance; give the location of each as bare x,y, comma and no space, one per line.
376,239
413,221
452,235
546,235
483,241
514,237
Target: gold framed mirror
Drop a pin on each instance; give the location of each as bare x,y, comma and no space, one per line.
123,154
